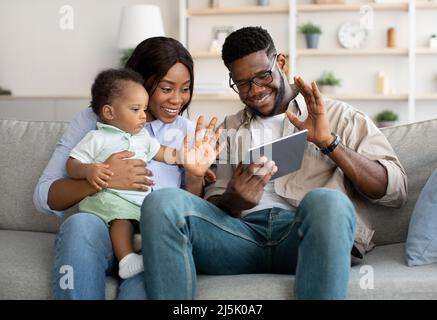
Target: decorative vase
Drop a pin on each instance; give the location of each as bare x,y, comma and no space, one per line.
312,40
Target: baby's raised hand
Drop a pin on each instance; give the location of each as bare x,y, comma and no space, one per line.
98,175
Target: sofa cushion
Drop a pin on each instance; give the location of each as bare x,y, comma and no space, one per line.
27,258
392,280
26,266
421,247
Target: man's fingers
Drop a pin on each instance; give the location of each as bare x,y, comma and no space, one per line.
294,120
266,178
306,91
239,170
317,94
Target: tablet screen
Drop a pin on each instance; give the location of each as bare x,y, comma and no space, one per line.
287,152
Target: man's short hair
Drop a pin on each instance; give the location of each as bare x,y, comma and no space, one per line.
245,41
109,84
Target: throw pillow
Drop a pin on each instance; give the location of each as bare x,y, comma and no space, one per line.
421,246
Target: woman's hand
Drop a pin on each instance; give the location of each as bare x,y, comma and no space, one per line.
128,174
204,151
317,120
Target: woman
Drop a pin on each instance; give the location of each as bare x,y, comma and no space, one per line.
83,244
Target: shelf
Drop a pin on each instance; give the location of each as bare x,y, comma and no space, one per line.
238,10
12,97
352,7
426,51
426,5
345,97
352,52
215,97
369,97
425,97
206,54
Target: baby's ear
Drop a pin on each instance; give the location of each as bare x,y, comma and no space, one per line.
107,112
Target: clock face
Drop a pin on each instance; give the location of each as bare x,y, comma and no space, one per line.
352,35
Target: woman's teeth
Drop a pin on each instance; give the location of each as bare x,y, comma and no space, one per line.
171,111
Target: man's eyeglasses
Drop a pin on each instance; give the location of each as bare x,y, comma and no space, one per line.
261,80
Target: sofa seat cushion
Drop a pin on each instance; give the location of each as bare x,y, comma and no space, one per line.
27,257
26,266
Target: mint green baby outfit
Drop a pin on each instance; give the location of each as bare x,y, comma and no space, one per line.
97,146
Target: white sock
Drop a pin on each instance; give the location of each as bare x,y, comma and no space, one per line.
130,265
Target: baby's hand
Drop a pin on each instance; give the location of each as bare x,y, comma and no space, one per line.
98,175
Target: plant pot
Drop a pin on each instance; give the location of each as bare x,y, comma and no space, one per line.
263,2
328,89
312,40
384,124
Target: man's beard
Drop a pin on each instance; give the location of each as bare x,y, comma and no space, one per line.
278,102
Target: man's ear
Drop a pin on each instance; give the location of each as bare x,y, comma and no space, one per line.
107,112
282,61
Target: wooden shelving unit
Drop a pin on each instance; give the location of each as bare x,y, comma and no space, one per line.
293,9
352,7
214,97
426,5
353,52
238,10
425,97
369,97
426,51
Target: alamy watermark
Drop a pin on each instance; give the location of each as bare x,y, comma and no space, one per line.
66,282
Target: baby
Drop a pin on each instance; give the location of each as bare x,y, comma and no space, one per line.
120,101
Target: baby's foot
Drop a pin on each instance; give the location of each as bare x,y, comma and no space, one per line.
130,265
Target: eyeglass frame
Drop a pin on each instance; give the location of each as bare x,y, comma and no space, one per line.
251,81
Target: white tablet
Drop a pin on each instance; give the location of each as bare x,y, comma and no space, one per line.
287,152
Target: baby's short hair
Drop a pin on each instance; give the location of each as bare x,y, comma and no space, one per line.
108,85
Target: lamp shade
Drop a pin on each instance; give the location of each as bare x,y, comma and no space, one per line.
138,23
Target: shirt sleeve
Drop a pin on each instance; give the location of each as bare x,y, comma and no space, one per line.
87,149
362,135
153,148
83,122
224,170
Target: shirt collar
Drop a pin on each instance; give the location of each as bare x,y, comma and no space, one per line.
109,128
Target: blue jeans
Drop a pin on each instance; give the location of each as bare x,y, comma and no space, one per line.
182,234
84,247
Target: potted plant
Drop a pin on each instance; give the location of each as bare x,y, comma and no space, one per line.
386,118
328,82
125,55
312,33
5,92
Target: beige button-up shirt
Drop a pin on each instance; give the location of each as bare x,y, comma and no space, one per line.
357,131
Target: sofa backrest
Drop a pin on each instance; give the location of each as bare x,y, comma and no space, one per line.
416,146
26,146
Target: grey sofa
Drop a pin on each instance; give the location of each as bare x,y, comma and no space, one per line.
27,237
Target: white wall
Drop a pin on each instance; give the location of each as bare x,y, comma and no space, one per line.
37,58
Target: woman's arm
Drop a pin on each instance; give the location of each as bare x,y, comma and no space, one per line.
126,175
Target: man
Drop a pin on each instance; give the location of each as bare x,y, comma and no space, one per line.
302,223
